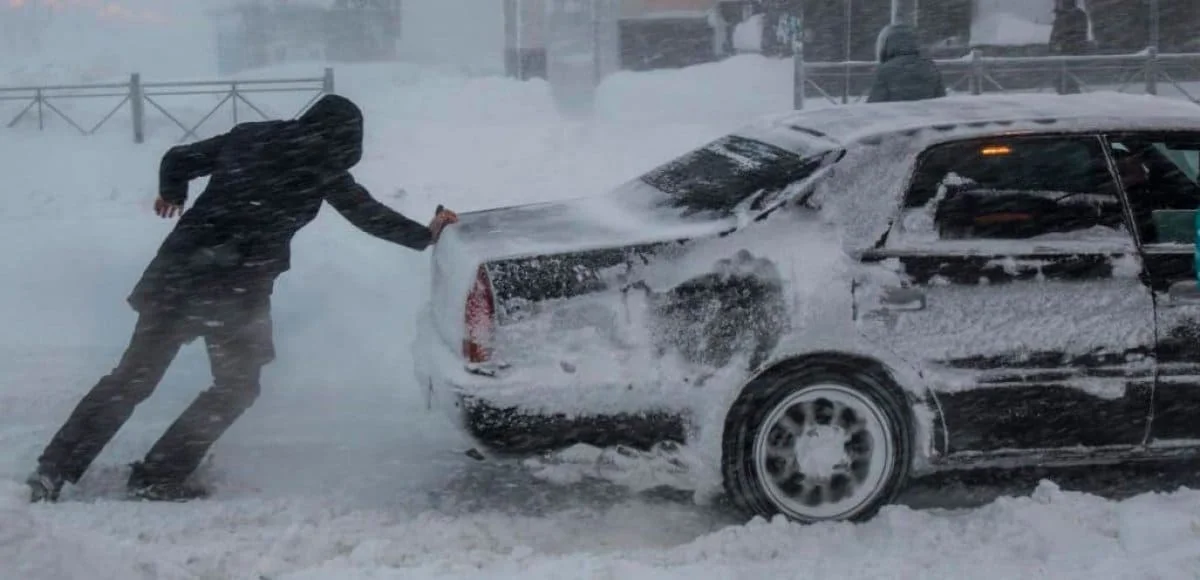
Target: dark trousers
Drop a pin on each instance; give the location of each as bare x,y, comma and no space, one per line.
239,344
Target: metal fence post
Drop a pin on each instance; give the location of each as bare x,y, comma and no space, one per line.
1152,70
137,107
41,99
327,81
1064,78
976,72
798,77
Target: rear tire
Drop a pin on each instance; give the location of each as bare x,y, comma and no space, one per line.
817,441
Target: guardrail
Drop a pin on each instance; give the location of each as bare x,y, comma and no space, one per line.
1148,71
138,94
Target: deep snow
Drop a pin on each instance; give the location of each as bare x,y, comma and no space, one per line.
337,472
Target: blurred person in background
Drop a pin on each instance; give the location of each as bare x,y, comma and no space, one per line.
1069,34
903,74
1068,37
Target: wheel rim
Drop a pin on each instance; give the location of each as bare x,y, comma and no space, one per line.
824,453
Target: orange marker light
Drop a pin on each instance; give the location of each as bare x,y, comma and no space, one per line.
996,150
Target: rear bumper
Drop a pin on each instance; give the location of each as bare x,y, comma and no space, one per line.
506,429
513,416
511,431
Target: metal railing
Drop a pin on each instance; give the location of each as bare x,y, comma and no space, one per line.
138,94
1148,71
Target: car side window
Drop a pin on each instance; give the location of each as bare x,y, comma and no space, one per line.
1014,188
1161,177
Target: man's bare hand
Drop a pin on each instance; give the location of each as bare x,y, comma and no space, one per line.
441,218
165,209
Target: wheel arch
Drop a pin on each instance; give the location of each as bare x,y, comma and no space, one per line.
922,407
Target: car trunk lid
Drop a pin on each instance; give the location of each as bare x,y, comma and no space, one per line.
545,229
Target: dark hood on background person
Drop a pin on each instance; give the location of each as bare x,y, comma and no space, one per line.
896,40
338,123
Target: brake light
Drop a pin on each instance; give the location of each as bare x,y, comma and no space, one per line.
481,310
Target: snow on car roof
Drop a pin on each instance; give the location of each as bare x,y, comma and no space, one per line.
980,113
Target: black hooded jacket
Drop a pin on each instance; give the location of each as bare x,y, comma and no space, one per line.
266,181
903,74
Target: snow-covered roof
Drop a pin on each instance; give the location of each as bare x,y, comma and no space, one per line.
992,113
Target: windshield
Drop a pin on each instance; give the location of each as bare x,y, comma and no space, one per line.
718,177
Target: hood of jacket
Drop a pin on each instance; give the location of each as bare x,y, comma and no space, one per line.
1066,5
896,40
336,123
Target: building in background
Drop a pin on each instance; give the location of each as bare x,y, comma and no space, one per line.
524,38
22,26
257,33
1114,26
654,34
649,34
667,33
839,30
363,30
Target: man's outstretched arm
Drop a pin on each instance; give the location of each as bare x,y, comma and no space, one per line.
355,203
180,165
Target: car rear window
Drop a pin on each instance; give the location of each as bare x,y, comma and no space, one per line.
719,176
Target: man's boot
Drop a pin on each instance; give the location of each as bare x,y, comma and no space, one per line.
143,485
44,485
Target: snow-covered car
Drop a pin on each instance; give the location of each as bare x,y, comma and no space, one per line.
828,303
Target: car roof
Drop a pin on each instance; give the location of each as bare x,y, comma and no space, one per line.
983,115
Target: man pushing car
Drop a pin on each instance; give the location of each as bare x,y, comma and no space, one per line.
213,277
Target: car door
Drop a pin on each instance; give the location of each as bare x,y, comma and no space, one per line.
1160,174
1013,282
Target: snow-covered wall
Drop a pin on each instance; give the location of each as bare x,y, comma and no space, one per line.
1031,11
1014,22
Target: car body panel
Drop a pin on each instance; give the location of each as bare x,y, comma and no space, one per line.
1177,393
1171,276
1017,345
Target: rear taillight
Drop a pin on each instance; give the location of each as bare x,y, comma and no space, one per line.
481,310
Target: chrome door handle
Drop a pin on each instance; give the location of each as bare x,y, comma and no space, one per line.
902,299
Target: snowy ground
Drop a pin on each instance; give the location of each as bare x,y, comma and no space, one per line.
337,473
